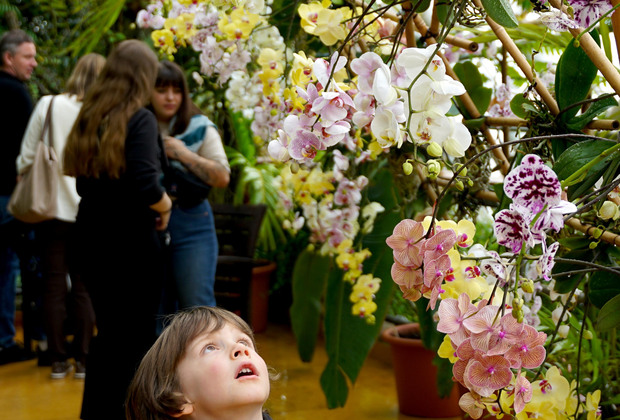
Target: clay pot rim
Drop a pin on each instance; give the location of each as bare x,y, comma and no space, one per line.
390,336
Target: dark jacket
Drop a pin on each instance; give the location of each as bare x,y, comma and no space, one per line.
15,110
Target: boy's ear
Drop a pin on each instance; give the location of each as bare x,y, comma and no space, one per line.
186,410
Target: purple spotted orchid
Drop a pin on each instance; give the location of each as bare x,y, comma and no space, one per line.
537,205
588,11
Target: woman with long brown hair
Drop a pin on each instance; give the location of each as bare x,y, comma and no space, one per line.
115,153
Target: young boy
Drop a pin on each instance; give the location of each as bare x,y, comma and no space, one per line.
203,366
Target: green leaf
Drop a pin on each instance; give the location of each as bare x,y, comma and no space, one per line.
603,287
501,12
575,242
578,155
343,331
609,316
566,284
596,108
334,385
573,78
308,284
517,106
472,79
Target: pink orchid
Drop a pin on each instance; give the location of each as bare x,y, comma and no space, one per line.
482,326
347,193
522,392
472,404
452,313
489,373
407,241
322,69
365,67
505,336
409,279
434,274
332,106
304,146
528,352
439,244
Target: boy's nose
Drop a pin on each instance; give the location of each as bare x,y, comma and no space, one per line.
240,352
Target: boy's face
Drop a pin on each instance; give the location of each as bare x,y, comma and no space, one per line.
221,372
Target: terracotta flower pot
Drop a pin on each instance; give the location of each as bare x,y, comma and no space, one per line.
259,300
416,376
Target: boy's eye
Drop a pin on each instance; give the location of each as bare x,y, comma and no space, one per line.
209,348
246,343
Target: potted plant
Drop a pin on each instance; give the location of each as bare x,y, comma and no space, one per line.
423,380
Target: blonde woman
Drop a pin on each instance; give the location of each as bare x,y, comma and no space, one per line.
53,235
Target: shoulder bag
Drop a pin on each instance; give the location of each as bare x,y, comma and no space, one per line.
35,197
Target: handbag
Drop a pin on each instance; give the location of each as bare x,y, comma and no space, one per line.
35,196
185,186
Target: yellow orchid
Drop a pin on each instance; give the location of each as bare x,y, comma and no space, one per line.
164,40
329,25
366,309
309,14
271,62
592,405
182,27
292,97
301,71
467,279
446,350
239,24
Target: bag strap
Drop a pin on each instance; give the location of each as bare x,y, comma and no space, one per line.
47,125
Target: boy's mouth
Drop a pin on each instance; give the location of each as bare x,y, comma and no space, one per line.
246,370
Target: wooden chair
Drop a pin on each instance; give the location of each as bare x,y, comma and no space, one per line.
237,230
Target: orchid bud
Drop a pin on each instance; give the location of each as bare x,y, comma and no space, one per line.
459,185
433,167
470,182
563,331
457,167
587,334
597,233
434,149
517,303
609,210
407,168
294,166
517,313
593,245
527,286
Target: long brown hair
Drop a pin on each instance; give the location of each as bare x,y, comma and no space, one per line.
96,143
84,74
171,74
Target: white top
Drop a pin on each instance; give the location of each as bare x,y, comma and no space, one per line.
64,114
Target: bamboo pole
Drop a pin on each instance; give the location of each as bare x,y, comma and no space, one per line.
466,44
520,60
615,23
598,57
520,122
608,237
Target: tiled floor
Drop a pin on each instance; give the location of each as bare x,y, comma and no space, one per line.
28,393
